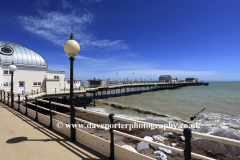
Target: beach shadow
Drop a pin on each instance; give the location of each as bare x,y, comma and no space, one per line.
63,140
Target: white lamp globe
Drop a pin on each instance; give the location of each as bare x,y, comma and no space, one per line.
12,68
71,47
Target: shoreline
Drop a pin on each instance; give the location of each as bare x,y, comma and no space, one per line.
204,147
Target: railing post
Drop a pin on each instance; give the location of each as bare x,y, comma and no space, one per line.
36,118
22,92
18,102
64,89
187,132
111,157
37,91
12,100
85,101
8,98
26,105
50,107
4,96
55,90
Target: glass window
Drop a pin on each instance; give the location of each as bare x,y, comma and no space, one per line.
56,77
39,83
35,83
5,84
21,84
5,71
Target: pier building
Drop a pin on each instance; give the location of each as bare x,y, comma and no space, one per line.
167,79
193,80
32,72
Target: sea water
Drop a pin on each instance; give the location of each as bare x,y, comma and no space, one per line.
221,101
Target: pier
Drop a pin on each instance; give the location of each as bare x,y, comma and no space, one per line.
101,92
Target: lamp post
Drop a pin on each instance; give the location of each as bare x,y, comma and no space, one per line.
12,68
45,78
71,47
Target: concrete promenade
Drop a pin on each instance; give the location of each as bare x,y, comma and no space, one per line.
23,138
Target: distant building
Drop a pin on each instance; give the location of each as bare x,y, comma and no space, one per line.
174,80
192,80
76,83
167,79
93,83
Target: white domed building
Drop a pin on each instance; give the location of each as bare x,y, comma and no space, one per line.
32,72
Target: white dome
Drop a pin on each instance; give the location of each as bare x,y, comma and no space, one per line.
20,56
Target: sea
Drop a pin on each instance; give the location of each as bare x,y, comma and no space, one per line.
216,107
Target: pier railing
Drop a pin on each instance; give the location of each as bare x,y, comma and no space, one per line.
112,148
83,90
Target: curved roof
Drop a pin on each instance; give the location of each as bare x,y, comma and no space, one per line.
20,55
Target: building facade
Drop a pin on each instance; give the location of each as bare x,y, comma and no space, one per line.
76,83
191,80
165,79
32,72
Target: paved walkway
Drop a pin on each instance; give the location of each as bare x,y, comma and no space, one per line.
22,138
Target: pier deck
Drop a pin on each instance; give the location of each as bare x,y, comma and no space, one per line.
127,88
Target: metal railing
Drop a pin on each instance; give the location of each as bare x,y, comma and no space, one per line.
186,132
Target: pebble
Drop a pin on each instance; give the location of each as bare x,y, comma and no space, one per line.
164,150
160,155
129,148
148,138
158,138
142,145
181,138
174,144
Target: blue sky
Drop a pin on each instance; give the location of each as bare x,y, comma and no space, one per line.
182,38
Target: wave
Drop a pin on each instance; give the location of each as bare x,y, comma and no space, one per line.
139,110
210,122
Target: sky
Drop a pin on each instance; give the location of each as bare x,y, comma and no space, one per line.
181,38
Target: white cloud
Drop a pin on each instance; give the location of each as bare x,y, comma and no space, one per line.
87,68
85,72
57,27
